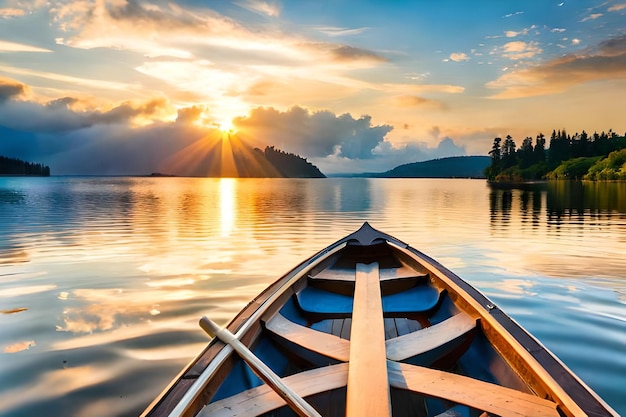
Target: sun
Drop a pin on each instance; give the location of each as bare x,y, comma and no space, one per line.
226,125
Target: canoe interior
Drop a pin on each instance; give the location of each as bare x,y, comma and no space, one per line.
415,303
427,323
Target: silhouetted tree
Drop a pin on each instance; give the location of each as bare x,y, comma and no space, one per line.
525,153
13,166
508,152
539,153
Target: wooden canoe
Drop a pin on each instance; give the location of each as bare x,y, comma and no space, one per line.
370,326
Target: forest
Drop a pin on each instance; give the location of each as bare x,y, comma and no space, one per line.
600,156
13,166
291,165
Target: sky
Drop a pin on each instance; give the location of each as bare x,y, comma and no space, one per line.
132,87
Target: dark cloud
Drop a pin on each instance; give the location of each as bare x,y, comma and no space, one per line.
189,114
416,101
349,53
58,116
10,89
614,46
316,134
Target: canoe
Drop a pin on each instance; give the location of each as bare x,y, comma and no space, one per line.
370,326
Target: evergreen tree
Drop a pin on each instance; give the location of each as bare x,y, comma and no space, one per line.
539,153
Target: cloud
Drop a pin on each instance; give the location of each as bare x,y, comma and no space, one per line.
261,7
513,34
459,57
10,89
62,115
8,12
617,7
349,53
388,156
606,61
313,134
593,16
6,46
416,101
517,50
339,31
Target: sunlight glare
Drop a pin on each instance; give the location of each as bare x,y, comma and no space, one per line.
227,205
226,125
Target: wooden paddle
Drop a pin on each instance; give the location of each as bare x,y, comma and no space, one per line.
297,403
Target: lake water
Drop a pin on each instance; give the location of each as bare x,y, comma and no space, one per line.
103,280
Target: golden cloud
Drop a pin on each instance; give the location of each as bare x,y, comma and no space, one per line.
416,101
608,61
517,50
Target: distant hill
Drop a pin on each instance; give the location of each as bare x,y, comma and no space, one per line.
13,166
452,167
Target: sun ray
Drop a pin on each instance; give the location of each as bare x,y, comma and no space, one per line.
228,166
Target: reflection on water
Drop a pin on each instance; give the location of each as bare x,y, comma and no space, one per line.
102,280
587,219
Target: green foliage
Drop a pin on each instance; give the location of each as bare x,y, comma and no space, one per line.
611,168
573,169
569,157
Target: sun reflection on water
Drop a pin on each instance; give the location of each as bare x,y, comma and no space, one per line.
227,205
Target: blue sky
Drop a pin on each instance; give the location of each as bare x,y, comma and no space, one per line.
351,85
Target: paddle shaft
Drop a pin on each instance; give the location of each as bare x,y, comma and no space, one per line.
297,403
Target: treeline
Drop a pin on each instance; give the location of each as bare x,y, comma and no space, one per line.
291,165
533,161
13,166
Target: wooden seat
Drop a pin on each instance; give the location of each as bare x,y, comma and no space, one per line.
477,394
323,343
463,390
397,349
415,343
263,399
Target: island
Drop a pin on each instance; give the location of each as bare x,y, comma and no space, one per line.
17,167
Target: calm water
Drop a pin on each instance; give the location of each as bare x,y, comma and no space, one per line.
102,280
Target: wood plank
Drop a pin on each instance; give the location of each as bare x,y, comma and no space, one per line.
477,394
323,343
368,386
263,399
413,344
347,274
